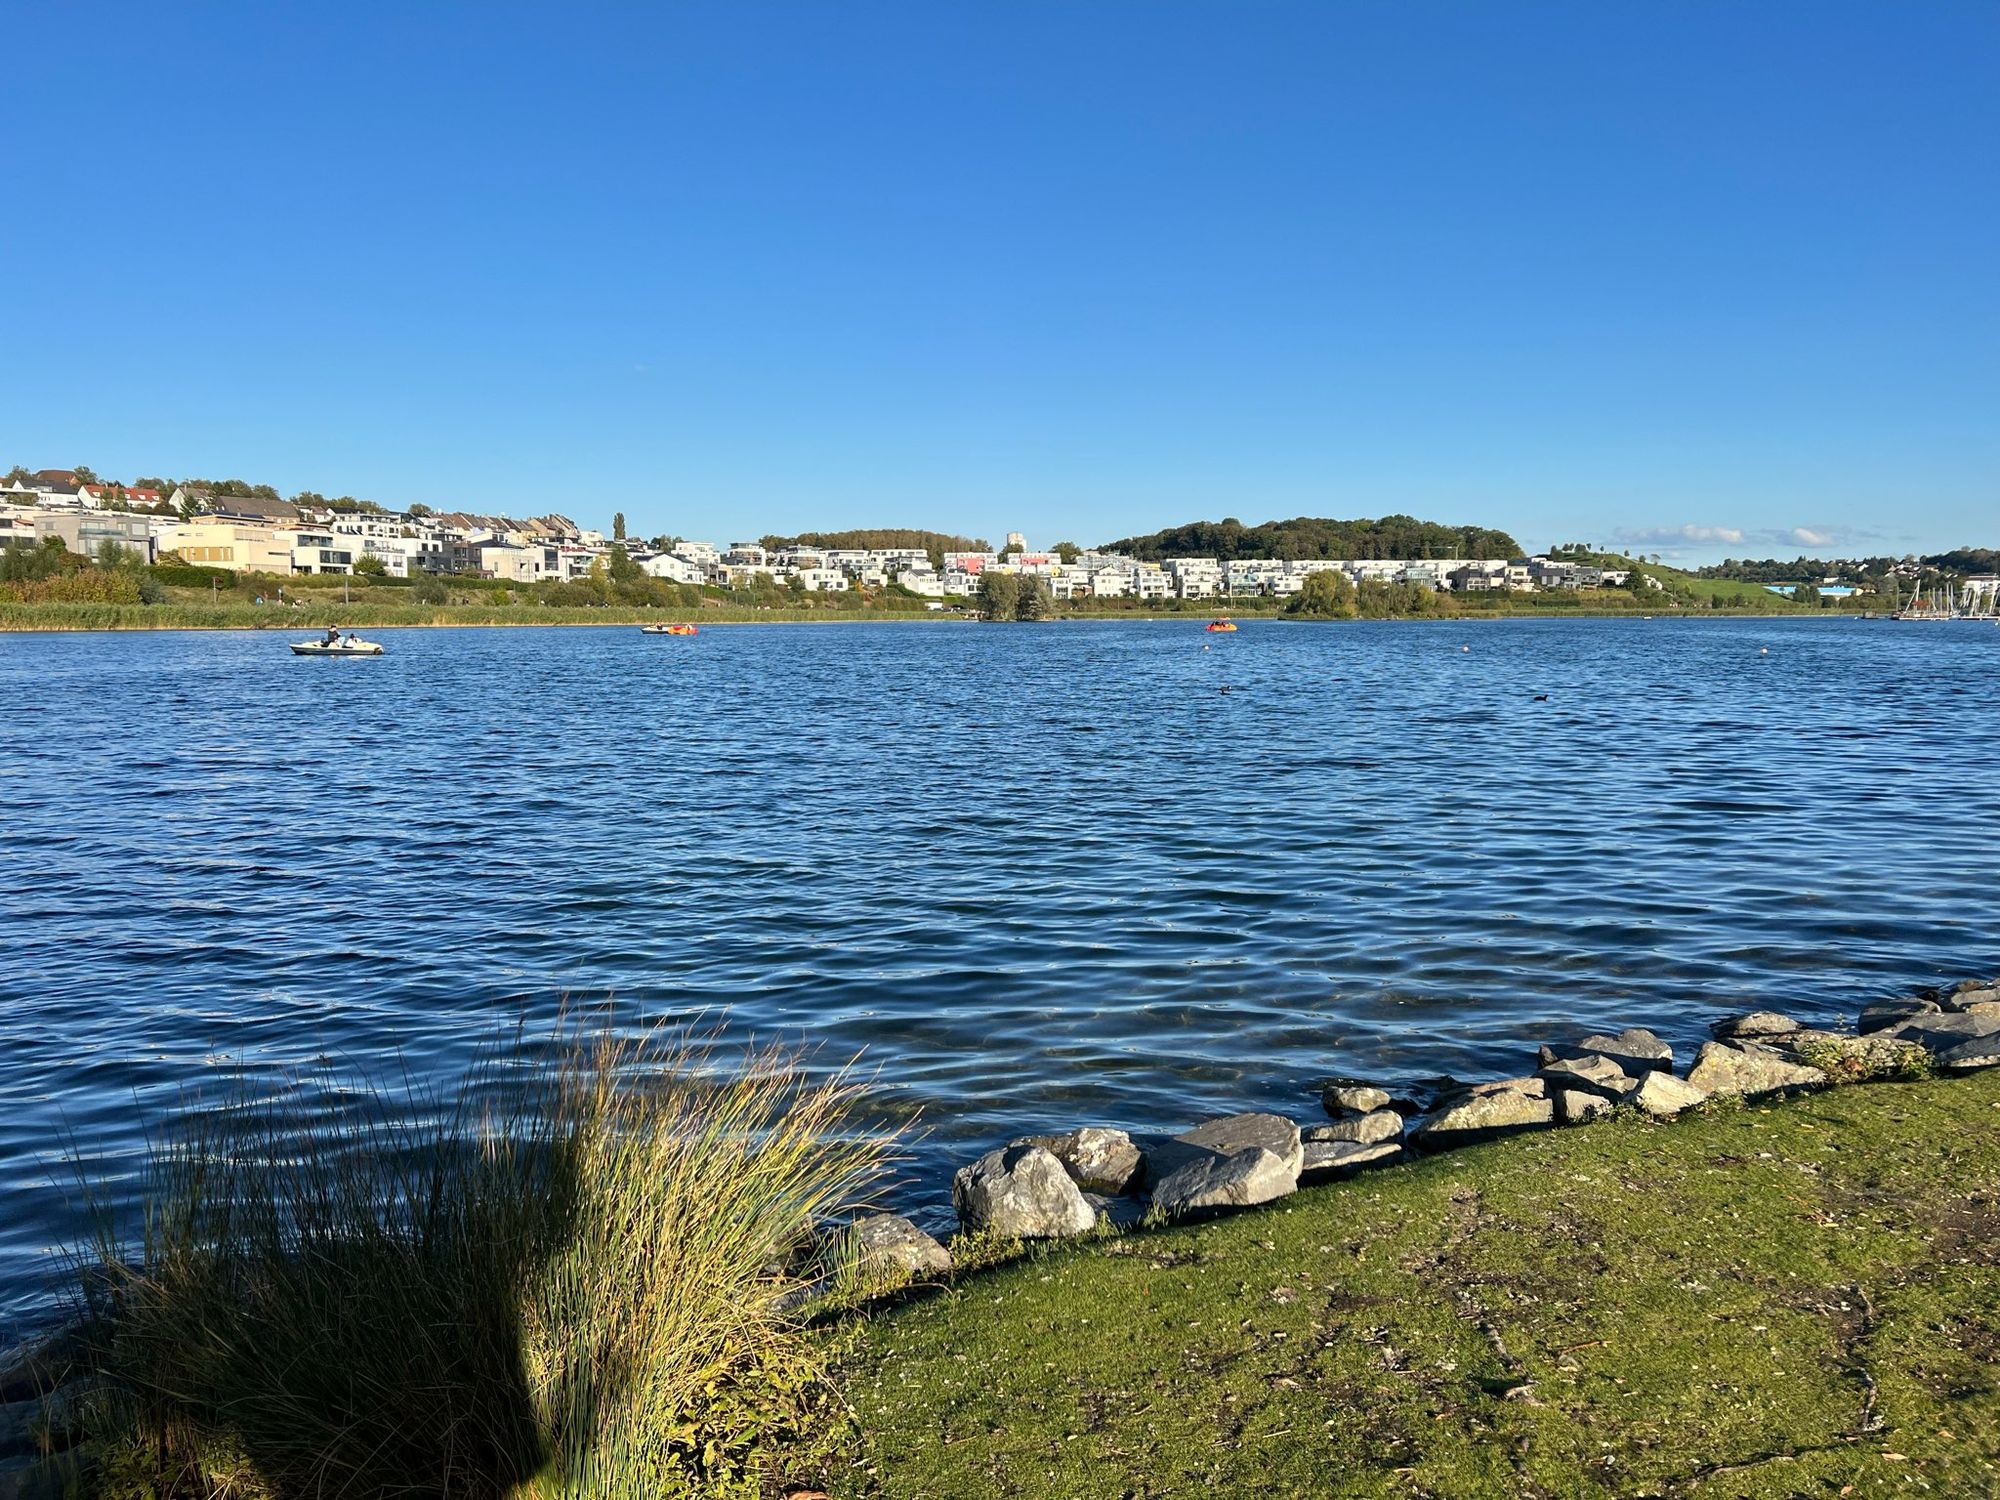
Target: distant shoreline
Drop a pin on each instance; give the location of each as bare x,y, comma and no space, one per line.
317,620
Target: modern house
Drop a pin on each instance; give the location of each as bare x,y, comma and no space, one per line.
86,531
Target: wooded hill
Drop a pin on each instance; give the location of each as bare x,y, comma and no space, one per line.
1308,537
934,542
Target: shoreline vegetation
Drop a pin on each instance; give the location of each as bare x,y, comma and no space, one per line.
48,588
60,620
315,605
661,1274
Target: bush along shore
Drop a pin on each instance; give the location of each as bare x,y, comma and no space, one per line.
1440,1326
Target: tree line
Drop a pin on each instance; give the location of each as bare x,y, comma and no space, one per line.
1307,537
934,543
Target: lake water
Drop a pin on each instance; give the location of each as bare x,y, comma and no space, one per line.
1116,873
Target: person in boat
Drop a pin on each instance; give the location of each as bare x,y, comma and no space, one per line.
332,636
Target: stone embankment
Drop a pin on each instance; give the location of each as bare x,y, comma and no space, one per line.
1044,1187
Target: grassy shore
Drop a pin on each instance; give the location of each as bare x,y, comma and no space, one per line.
1794,1299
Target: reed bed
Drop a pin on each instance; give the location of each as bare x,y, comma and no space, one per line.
574,1285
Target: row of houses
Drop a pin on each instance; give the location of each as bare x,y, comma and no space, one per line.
247,534
255,535
274,537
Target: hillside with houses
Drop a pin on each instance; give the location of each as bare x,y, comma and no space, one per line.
246,529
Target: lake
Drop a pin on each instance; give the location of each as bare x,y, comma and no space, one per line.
1117,873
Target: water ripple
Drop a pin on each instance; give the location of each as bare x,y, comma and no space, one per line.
1035,876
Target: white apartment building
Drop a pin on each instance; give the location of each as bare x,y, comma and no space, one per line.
675,568
1195,577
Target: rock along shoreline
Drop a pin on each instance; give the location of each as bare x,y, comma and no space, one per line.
1062,1185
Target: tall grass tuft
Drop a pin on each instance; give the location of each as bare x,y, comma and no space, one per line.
568,1286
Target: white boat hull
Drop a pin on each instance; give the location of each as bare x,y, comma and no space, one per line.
320,648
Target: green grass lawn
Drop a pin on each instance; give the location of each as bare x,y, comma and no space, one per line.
1730,593
1795,1299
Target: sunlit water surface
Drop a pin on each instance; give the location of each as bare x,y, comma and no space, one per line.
1115,873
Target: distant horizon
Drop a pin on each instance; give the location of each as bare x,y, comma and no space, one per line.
1701,281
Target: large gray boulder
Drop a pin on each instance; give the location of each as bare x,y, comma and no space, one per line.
1327,1160
1635,1050
1662,1095
1486,1111
1956,1040
1580,1107
1971,994
1369,1129
1120,1211
1021,1193
1887,1013
1097,1159
1748,1070
1594,1073
1353,1099
1975,1052
1212,1181
1756,1023
1233,1133
891,1244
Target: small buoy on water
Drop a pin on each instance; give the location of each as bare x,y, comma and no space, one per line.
1763,650
1465,648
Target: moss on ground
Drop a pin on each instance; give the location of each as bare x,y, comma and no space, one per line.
1792,1299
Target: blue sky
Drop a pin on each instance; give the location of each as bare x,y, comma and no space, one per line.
1702,278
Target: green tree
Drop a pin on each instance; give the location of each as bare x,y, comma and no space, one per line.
1037,601
429,589
620,565
999,595
421,509
1069,552
618,526
1806,594
85,474
1325,596
112,555
20,474
368,565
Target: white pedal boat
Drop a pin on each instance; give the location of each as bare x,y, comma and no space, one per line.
342,647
